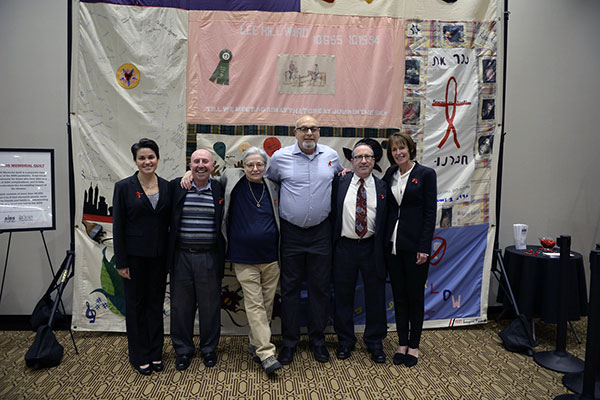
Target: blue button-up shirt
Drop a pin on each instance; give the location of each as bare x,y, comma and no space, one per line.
305,196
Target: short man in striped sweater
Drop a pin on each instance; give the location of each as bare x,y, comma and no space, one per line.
196,260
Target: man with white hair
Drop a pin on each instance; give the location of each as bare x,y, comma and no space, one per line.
196,258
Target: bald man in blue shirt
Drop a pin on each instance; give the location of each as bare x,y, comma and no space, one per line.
305,171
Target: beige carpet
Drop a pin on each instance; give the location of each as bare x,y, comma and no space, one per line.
458,363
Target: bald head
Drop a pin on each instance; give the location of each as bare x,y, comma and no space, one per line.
202,164
307,133
306,119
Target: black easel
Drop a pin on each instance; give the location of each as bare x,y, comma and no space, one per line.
53,285
497,250
518,336
6,263
501,275
67,269
68,264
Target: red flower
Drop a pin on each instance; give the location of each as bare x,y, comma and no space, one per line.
138,195
415,181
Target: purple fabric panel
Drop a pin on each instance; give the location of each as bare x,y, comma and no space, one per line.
223,5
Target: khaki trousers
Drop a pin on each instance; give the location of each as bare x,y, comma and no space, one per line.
259,283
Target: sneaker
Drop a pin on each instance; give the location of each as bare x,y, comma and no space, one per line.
252,352
270,364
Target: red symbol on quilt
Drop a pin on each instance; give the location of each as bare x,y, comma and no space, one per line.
128,76
436,257
450,118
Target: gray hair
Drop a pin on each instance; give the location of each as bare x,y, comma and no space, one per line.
362,143
254,150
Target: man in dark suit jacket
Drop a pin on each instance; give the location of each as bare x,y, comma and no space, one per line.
359,208
196,259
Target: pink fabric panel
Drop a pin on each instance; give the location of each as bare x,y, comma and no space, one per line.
360,62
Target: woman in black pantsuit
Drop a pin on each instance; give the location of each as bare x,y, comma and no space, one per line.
141,213
412,205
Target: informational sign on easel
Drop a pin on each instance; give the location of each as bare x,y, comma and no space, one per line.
27,190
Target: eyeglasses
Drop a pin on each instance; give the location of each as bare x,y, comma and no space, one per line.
257,165
305,129
366,157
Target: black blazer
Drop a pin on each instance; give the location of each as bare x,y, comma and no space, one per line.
138,229
338,194
416,214
177,199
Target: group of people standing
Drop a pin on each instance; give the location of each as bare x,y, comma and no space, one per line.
303,219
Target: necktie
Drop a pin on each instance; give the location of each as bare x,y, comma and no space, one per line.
360,222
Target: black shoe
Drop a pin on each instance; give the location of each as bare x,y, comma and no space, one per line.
343,352
320,352
378,356
182,362
410,361
144,371
210,359
399,358
286,355
157,367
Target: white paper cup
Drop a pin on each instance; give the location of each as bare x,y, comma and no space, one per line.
520,236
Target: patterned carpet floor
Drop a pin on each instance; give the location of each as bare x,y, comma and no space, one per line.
457,363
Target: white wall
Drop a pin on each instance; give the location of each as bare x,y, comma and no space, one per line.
550,161
33,114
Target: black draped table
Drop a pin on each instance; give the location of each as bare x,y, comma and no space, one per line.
534,280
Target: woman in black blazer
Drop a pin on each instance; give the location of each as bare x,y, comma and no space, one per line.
412,205
141,212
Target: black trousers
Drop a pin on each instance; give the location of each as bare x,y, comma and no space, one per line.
305,255
408,287
351,256
195,285
144,299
